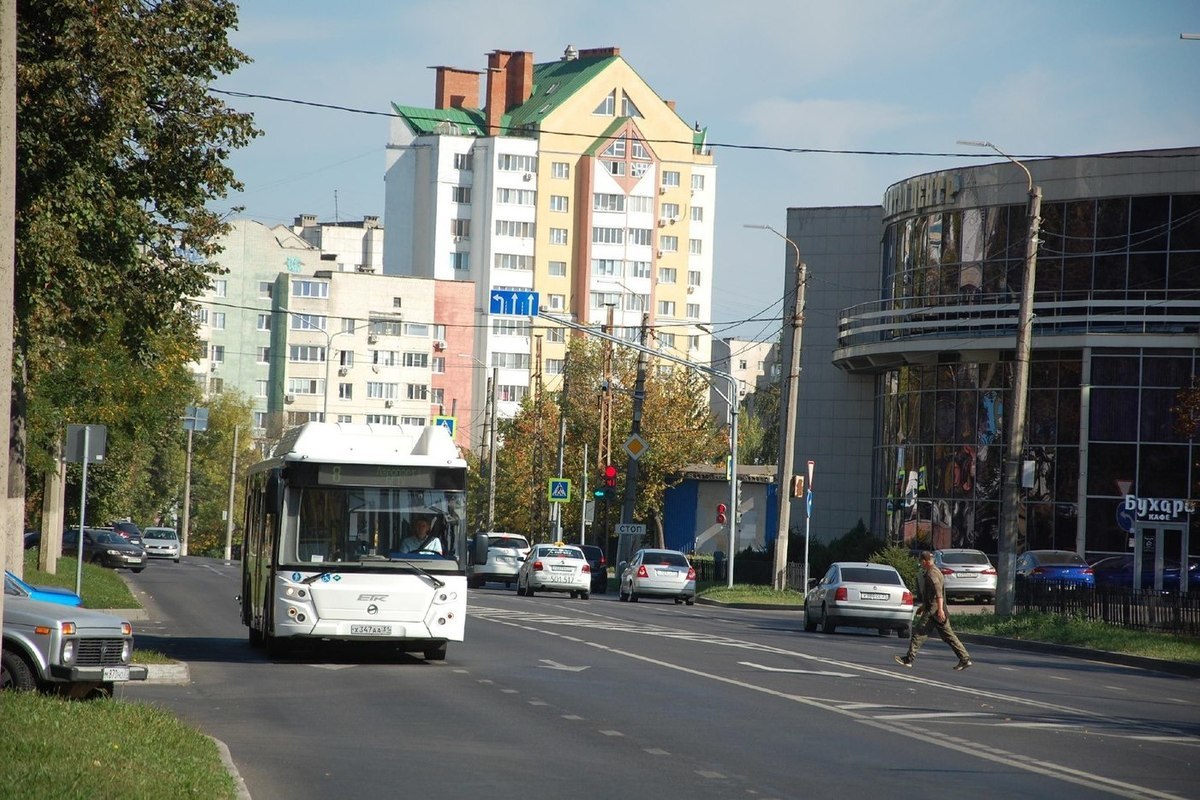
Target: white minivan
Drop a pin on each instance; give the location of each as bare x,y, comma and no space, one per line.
506,551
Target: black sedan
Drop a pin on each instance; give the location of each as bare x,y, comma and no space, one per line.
599,565
105,548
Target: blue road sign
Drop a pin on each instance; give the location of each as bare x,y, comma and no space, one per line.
1125,519
513,301
809,503
446,422
560,490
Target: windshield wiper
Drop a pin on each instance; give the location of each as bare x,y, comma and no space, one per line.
437,584
315,578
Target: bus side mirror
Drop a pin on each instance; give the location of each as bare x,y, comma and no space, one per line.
479,549
272,493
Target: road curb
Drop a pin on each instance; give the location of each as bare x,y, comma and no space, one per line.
174,674
1184,669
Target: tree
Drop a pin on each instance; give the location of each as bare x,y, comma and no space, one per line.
212,453
120,146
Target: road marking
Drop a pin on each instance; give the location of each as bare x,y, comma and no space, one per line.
934,715
704,773
548,664
799,671
656,751
612,733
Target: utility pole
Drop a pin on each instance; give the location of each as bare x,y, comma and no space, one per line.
232,489
795,294
491,507
1010,495
639,399
562,446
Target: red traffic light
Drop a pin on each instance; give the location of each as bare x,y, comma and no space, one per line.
721,515
610,475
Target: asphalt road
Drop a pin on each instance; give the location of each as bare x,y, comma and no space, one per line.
596,699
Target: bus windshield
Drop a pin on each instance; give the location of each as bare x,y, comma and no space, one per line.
376,525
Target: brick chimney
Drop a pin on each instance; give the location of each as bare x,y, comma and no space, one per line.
456,88
509,84
600,52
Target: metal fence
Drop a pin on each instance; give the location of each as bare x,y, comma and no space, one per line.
1163,612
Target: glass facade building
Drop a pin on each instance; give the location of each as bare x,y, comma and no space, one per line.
1116,336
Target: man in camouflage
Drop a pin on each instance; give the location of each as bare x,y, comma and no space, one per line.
932,613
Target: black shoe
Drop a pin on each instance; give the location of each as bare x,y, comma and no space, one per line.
966,662
905,661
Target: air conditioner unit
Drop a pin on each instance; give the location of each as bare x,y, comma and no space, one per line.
674,220
212,367
662,190
342,370
658,253
691,290
388,404
457,239
439,344
528,176
372,339
289,398
662,222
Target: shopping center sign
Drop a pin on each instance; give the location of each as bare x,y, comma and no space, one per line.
1158,509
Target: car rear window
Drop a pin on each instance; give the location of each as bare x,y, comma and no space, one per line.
666,559
562,552
868,575
508,543
965,558
1062,560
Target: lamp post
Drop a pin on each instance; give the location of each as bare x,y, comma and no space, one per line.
787,416
489,435
632,471
1010,498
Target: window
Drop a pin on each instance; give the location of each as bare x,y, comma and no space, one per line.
637,302
307,288
693,310
693,277
697,214
558,236
510,360
216,385
260,420
437,365
201,351
416,391
616,149
668,244
460,261
557,302
670,177
665,339
349,324
611,267
556,335
521,230
666,308
608,106
608,235
693,342
383,327
416,360
698,182
603,201
695,247
641,236
305,386
507,326
437,397
345,418
515,197
345,391
513,261
614,167
460,194
602,299
397,302
639,269
639,204
628,109
377,390
263,355
560,169
638,150
511,394
638,168
306,352
416,329
220,287
383,358
419,422
558,269
511,162
439,332
345,358
667,274
217,352
462,161
264,322
460,228
381,419
670,210
260,388
554,366
200,315
266,288
559,202
308,322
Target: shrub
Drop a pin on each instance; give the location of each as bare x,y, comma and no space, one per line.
900,558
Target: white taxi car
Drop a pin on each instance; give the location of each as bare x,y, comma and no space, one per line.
555,567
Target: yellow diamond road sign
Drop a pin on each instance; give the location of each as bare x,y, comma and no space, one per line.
636,446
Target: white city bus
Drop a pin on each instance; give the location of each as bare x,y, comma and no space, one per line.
357,533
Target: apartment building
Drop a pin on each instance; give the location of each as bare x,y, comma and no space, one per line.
570,178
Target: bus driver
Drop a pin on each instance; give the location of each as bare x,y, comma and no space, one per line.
421,539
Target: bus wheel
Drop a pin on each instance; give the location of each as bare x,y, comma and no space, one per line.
436,652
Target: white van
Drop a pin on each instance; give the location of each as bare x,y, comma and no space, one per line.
506,551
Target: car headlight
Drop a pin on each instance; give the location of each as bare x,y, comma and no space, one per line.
127,650
68,651
113,552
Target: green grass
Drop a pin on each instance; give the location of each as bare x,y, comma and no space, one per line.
102,587
1047,628
55,748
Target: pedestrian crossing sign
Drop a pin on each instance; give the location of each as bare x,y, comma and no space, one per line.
560,490
446,422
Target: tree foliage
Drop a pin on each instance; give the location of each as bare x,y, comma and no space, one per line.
120,146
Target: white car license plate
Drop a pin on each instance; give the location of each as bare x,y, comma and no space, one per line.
962,575
115,674
873,596
371,630
666,573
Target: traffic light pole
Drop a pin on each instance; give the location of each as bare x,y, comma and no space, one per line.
639,399
705,369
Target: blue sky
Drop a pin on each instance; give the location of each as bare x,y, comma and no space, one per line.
1035,77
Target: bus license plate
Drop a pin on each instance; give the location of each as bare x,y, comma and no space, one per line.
115,674
371,630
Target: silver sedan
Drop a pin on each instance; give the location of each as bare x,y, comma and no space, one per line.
861,595
658,573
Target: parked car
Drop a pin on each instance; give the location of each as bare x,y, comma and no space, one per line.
555,568
505,552
129,532
32,539
862,595
47,594
72,651
104,548
966,573
599,565
1116,572
658,573
1060,568
161,543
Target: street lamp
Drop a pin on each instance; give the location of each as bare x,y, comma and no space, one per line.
329,337
787,417
1010,498
493,384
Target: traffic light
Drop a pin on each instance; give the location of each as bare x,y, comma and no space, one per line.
610,481
797,486
722,517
